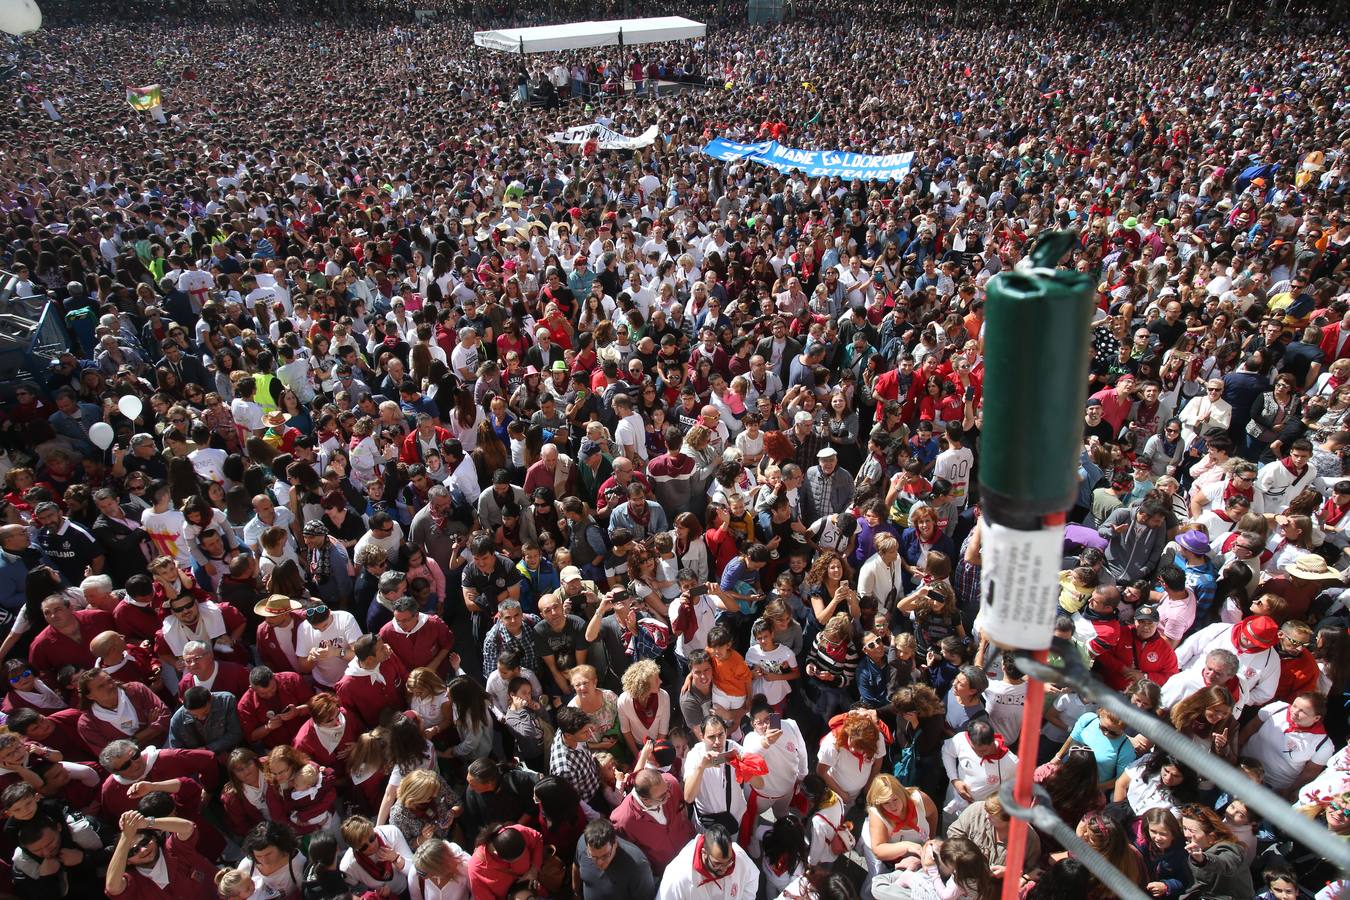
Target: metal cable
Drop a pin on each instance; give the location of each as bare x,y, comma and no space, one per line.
1276,810
1041,814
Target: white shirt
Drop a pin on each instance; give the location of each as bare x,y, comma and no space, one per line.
876,579
1258,673
631,433
124,717
788,763
208,463
341,632
280,883
779,660
681,882
1279,486
1144,794
982,776
247,414
423,888
712,788
849,772
1005,703
955,465
1284,753
359,877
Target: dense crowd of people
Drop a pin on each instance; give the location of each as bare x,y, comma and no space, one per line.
426,509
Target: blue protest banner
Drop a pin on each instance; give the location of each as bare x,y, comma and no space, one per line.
848,166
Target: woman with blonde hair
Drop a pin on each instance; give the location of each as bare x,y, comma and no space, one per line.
644,706
232,884
423,807
698,447
441,864
429,698
899,820
377,858
599,703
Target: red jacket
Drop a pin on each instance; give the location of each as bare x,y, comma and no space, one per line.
1297,676
1155,658
66,738
300,812
364,699
490,877
150,710
141,667
417,648
191,876
241,815
190,768
1113,649
660,843
292,690
51,650
411,451
231,678
269,644
307,741
1331,336
136,623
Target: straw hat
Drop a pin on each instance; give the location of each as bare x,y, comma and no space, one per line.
275,605
1311,567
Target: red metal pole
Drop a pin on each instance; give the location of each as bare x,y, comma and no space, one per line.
1027,749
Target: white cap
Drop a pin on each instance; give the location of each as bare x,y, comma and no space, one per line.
826,453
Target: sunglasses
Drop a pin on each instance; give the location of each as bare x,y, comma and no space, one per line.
184,608
15,679
131,760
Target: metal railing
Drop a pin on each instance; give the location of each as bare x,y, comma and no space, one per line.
1276,810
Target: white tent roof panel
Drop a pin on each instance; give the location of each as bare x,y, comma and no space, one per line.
581,35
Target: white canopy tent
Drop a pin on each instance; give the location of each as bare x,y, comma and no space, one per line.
582,35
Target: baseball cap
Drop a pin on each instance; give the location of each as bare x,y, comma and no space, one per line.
569,573
1146,613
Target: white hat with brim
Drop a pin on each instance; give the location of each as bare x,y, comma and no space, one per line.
1311,567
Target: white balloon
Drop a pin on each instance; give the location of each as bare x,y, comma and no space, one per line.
101,433
19,16
129,406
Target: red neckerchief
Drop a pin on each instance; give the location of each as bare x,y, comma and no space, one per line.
1291,728
646,711
1288,463
1230,489
1333,512
380,871
907,822
702,871
1000,749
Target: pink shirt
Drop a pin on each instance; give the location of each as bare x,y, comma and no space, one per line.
1175,617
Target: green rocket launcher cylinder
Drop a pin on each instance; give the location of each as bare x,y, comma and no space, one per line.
1037,321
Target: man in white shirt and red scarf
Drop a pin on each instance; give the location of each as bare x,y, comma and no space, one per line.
1281,481
1253,641
710,867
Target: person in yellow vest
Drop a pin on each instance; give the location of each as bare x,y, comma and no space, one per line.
269,388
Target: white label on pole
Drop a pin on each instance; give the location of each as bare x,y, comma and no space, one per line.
1019,585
